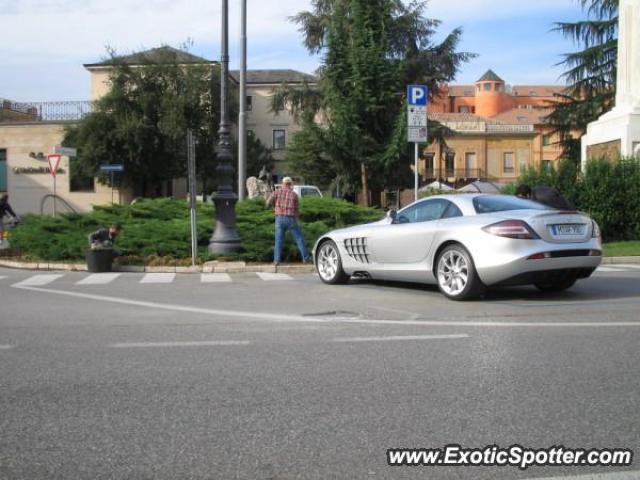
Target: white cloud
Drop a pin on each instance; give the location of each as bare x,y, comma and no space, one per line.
73,29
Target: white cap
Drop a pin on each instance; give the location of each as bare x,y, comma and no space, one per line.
287,180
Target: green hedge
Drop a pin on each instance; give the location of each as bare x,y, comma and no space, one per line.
608,191
160,228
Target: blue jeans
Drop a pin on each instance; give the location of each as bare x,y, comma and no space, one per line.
284,223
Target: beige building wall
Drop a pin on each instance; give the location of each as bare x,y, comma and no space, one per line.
26,190
262,121
100,83
489,153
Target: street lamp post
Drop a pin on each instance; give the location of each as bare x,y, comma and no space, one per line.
225,239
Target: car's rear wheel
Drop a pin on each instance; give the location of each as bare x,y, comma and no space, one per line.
557,285
329,264
456,274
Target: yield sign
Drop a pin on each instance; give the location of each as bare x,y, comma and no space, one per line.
54,161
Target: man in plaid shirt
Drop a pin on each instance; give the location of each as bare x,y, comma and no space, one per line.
285,202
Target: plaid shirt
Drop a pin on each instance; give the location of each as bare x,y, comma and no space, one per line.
285,201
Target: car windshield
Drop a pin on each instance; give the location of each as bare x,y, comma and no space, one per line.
504,203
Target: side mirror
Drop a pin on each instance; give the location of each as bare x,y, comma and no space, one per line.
392,215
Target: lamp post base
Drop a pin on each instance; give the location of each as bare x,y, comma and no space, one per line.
225,239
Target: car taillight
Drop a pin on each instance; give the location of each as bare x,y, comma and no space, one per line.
512,229
595,230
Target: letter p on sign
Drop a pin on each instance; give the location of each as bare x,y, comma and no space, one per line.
417,95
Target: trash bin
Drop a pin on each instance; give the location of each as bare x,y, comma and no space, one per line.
99,260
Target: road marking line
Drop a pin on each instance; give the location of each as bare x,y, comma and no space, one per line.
399,338
625,475
215,277
6,347
213,343
274,276
2,277
38,280
98,279
158,278
276,317
626,265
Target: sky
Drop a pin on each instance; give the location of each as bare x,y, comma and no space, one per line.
46,42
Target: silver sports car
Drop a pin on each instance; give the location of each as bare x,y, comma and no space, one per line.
466,243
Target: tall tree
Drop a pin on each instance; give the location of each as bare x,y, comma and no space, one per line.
370,51
142,121
590,73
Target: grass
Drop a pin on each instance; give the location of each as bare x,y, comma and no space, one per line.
622,249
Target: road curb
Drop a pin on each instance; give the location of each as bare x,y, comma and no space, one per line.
209,267
619,260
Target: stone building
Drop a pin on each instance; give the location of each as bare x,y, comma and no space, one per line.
499,131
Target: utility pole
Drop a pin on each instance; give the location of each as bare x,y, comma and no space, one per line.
242,123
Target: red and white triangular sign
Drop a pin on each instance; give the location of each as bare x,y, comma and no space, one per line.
54,161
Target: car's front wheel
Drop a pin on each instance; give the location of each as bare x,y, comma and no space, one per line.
329,264
456,274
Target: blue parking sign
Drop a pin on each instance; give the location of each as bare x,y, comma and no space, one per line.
417,95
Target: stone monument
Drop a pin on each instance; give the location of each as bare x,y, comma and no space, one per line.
617,133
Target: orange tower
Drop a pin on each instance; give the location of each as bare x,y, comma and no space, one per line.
491,98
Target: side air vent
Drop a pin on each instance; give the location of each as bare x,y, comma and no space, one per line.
357,249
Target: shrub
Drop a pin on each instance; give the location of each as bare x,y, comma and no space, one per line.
608,191
158,230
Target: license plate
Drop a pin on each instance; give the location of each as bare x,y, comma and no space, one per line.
568,229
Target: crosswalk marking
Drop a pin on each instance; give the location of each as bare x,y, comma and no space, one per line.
38,280
6,347
158,278
215,277
273,276
98,279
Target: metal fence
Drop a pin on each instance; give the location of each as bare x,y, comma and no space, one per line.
44,111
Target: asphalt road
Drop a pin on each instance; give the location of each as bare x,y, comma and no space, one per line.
282,377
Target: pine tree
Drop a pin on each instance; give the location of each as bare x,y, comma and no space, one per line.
590,73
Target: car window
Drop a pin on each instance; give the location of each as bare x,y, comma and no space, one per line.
310,192
423,211
504,203
452,211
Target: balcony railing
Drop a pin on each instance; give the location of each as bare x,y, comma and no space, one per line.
434,174
44,111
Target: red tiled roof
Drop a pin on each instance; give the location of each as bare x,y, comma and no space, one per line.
536,90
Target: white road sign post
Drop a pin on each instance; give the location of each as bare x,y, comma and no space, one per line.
54,161
417,102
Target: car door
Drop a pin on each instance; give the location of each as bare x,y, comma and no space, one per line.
408,239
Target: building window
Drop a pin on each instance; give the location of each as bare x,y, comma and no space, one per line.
470,164
450,164
546,140
428,160
508,165
546,166
463,109
478,88
3,170
473,109
279,139
487,87
249,103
